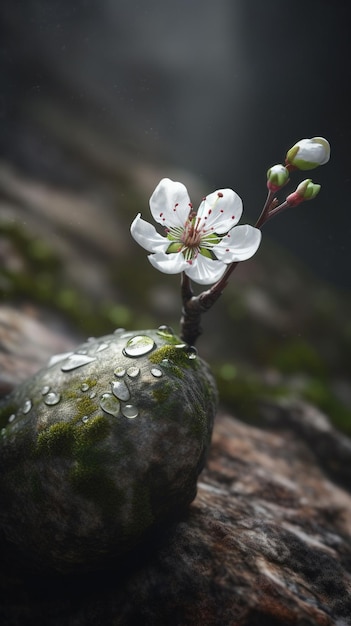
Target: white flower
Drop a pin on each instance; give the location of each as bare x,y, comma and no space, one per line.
307,154
200,244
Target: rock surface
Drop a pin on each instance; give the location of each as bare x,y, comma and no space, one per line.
266,542
101,446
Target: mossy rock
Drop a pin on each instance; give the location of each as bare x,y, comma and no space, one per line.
102,446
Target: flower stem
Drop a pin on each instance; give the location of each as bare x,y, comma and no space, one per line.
194,306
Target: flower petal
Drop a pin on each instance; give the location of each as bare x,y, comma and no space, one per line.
205,271
239,244
168,263
147,236
170,203
220,211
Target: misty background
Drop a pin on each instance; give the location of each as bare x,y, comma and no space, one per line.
218,90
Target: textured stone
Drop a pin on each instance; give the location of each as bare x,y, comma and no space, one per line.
101,446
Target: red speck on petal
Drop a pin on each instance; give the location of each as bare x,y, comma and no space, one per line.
222,211
233,217
219,194
227,249
190,262
203,199
176,204
191,206
161,214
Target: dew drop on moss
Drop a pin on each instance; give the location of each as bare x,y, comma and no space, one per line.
45,390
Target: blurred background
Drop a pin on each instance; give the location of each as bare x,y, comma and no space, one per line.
99,100
220,90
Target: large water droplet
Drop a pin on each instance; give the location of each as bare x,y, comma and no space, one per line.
156,372
27,407
45,390
58,357
133,372
76,360
119,371
130,411
12,417
92,395
85,418
120,390
52,398
139,345
109,404
84,387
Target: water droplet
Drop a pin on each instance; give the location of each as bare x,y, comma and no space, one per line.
92,395
27,407
109,404
165,331
90,339
191,352
76,360
3,431
120,390
156,372
12,417
52,398
58,357
119,371
118,330
130,411
139,345
133,372
85,418
84,387
101,347
45,390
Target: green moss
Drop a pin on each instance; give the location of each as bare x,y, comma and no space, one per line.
174,358
162,392
197,421
57,440
94,430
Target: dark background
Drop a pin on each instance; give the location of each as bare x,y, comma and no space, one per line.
219,89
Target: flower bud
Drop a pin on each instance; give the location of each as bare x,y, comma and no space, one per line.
277,177
308,153
307,190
